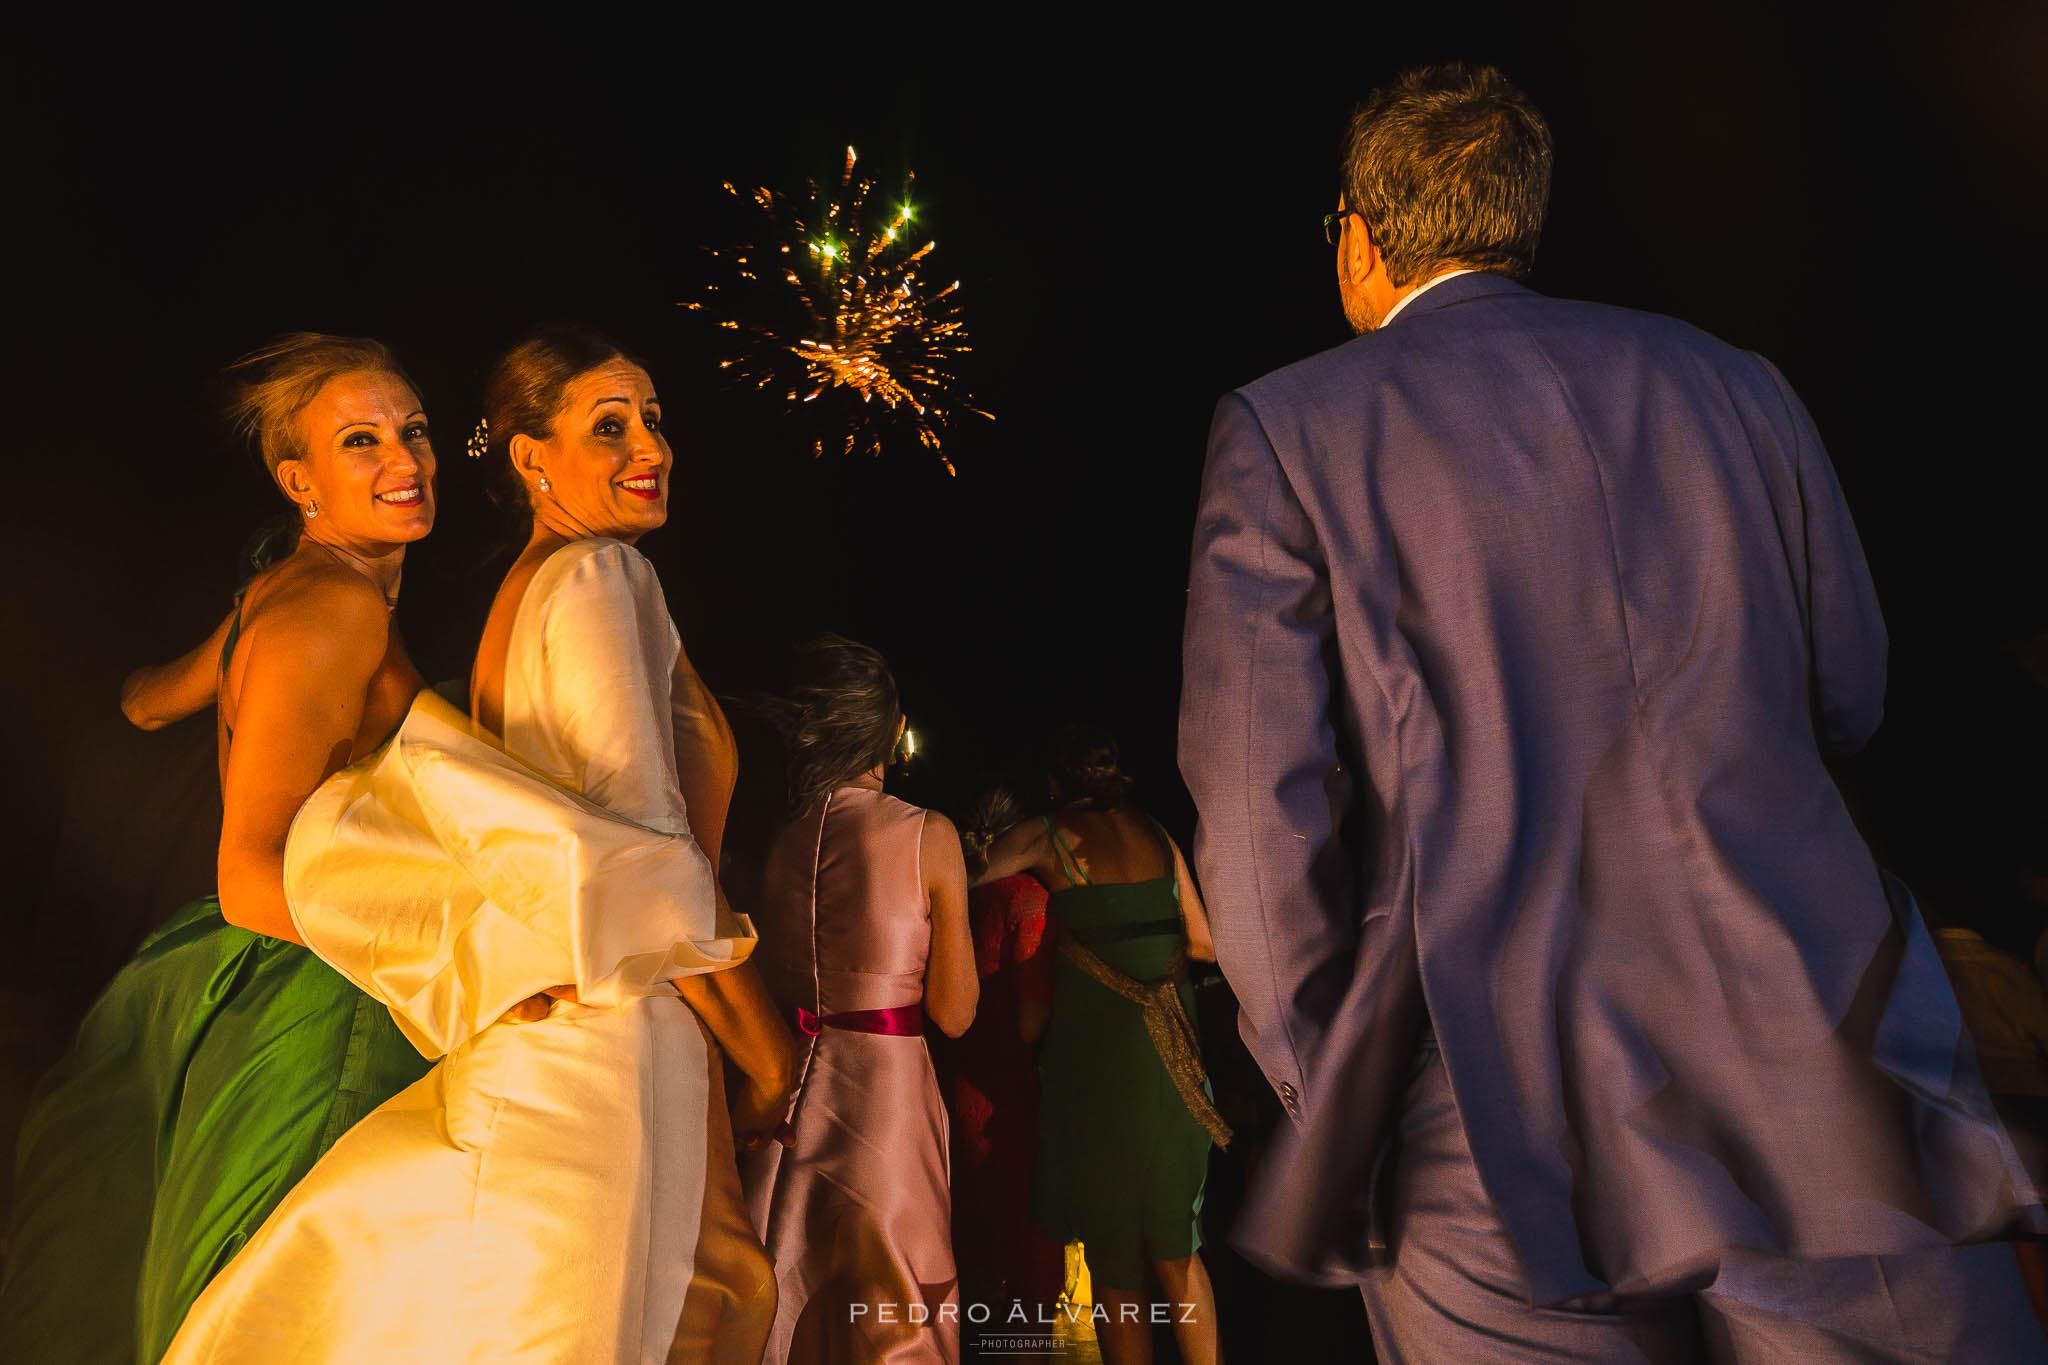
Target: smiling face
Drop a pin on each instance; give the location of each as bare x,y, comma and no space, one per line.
606,465
368,466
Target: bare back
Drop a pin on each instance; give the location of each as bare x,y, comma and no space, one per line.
289,590
313,678
1111,847
487,675
1105,848
707,758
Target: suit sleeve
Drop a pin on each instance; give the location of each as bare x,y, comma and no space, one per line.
1259,750
1844,628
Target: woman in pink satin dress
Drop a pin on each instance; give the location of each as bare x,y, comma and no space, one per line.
862,916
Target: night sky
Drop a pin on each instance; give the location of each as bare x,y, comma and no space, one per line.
1132,206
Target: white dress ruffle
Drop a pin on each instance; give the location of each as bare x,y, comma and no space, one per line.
536,1196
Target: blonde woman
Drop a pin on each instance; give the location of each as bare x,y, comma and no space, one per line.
224,1058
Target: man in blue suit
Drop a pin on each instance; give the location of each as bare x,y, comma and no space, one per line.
1517,629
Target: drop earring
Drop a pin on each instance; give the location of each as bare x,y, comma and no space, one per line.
312,509
544,484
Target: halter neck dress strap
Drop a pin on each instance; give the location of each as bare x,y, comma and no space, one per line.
227,650
1068,863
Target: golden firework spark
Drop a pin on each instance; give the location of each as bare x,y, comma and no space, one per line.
866,324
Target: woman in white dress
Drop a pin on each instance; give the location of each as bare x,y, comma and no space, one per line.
564,1190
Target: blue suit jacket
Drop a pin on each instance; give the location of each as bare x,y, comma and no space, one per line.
1515,633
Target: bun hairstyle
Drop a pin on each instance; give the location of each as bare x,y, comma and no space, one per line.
994,811
270,386
837,719
523,395
1085,765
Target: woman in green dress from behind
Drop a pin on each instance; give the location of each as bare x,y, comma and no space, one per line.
1125,1124
224,1058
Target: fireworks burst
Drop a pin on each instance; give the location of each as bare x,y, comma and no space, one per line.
865,323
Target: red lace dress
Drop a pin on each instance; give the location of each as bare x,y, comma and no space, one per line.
1001,1253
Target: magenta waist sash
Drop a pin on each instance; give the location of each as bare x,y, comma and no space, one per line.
901,1021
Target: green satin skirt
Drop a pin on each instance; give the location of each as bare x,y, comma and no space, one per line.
206,1080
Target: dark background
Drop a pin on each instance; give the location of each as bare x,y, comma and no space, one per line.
1131,203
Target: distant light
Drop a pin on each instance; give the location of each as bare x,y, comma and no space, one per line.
831,251
906,213
910,743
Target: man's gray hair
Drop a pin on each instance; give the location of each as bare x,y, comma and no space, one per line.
1449,165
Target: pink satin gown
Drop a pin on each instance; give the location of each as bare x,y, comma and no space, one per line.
857,1213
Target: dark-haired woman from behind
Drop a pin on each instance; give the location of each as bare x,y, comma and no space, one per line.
1126,1122
863,915
224,1059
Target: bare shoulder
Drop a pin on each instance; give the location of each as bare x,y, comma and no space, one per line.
1137,823
1023,844
1023,835
939,843
301,585
938,825
314,605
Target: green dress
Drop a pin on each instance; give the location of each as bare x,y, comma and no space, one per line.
1121,1161
207,1078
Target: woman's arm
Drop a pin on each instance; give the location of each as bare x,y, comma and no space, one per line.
296,716
163,694
1200,946
707,759
1020,848
734,1004
952,986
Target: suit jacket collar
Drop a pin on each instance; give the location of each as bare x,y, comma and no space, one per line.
1477,285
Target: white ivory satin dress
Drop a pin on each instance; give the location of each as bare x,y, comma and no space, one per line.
537,1196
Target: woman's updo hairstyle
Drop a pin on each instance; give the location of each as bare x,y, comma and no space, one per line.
991,813
1084,763
837,718
524,393
269,387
